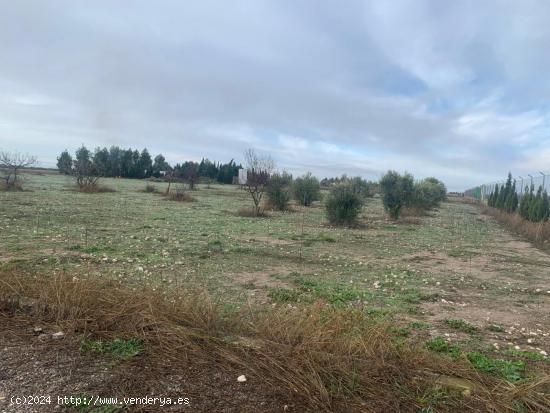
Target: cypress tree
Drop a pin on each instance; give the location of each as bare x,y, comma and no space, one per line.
495,197
545,206
525,203
511,198
535,206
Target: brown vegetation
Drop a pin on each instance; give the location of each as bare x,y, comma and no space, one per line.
251,213
537,232
150,188
179,195
323,358
94,189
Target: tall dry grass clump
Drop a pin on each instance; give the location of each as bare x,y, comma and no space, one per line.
94,189
537,232
331,360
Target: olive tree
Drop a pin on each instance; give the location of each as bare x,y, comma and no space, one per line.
397,192
307,189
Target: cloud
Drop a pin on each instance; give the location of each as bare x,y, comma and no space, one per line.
456,90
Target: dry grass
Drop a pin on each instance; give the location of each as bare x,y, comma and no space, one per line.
179,196
251,213
537,232
94,189
15,186
150,188
412,212
330,359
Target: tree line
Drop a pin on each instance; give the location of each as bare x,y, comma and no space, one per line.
346,195
131,163
531,207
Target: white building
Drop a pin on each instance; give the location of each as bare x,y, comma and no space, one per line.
242,176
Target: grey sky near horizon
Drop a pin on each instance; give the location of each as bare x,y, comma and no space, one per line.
458,90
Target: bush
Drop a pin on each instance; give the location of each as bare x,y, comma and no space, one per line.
397,192
94,189
179,195
307,189
278,191
150,188
428,194
343,205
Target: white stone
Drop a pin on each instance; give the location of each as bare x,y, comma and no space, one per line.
241,378
58,335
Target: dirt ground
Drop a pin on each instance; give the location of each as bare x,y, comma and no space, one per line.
33,366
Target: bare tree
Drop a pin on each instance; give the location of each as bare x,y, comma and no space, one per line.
258,171
86,176
10,165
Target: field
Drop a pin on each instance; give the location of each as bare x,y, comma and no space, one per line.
453,284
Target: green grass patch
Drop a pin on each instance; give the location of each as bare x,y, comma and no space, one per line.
415,296
118,348
509,370
495,328
284,295
419,325
439,345
460,325
529,355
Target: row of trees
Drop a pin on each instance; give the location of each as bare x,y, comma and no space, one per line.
506,197
401,191
129,163
531,207
343,203
361,186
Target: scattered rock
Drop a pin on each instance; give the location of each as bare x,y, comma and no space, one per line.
466,387
58,336
241,378
37,330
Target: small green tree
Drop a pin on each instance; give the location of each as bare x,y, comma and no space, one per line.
428,194
65,162
397,192
545,206
525,204
279,190
494,197
306,189
343,205
535,207
511,203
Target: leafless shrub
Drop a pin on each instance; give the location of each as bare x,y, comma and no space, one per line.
259,169
86,176
150,188
179,194
95,189
10,167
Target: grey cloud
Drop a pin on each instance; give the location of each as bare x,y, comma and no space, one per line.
391,84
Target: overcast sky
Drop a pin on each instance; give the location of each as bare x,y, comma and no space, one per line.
455,89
